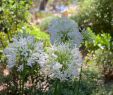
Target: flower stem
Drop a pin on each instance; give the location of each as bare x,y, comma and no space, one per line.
80,77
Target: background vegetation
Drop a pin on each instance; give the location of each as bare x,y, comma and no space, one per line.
24,23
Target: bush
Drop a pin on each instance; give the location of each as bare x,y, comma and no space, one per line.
12,15
97,14
93,42
104,58
46,22
38,34
100,51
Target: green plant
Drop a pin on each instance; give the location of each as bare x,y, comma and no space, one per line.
24,58
100,51
46,22
13,14
89,38
104,58
28,61
94,42
103,41
66,69
38,34
97,14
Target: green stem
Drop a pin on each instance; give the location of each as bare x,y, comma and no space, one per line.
8,36
2,43
22,86
80,77
57,90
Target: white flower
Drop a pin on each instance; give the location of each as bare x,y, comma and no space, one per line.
25,50
38,56
11,56
56,66
11,63
20,68
66,65
64,30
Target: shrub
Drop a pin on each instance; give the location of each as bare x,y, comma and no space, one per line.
46,22
38,34
100,52
13,14
94,42
96,14
104,58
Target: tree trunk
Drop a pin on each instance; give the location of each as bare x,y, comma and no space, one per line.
43,5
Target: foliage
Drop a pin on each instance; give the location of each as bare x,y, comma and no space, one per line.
97,14
13,14
38,34
94,42
46,22
100,51
104,90
104,58
3,40
30,64
89,39
17,11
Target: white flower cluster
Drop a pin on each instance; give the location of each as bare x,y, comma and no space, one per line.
66,65
64,29
38,56
61,62
25,50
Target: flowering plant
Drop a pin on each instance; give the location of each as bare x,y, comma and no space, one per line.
66,64
25,56
25,51
64,30
30,60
